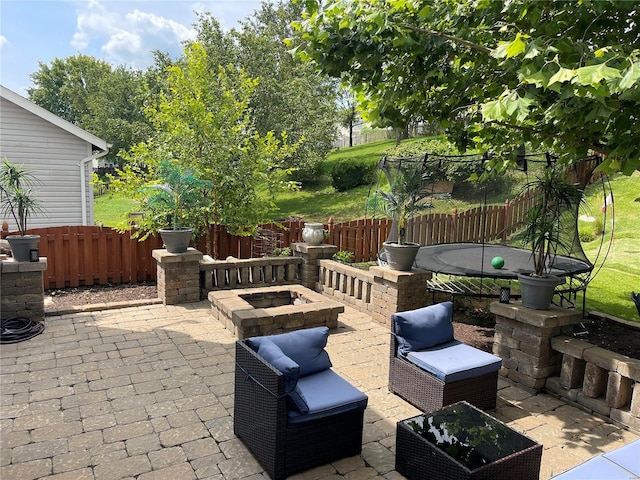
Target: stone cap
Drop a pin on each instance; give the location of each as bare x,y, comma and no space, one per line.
399,276
605,359
324,249
11,266
552,318
162,256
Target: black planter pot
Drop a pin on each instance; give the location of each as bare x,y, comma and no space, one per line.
537,292
176,241
21,246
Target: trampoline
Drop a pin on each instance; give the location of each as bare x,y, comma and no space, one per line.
474,260
465,269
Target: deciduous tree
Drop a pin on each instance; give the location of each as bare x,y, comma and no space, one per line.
203,122
564,76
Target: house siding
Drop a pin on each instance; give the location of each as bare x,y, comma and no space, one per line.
54,156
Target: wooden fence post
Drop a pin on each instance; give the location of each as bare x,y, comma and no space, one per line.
454,226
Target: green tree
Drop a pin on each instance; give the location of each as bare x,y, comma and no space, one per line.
87,92
564,76
65,87
203,122
289,96
348,114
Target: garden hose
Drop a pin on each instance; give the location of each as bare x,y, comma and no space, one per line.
19,329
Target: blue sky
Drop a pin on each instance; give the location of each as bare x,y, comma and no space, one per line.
122,32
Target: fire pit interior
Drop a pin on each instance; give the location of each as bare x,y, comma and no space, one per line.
260,311
276,298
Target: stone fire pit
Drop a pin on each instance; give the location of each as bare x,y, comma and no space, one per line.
261,311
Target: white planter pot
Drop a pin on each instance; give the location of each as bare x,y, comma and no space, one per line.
313,233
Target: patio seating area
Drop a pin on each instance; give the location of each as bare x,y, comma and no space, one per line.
146,392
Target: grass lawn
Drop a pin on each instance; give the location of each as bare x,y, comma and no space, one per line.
610,291
109,209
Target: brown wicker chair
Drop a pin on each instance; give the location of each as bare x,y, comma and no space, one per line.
260,420
429,393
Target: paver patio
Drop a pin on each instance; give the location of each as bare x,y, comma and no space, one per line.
146,392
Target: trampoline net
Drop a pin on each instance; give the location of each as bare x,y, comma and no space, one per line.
432,166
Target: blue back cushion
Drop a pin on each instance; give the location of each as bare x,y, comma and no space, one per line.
305,347
274,356
424,327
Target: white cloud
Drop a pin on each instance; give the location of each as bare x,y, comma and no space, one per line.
3,41
127,37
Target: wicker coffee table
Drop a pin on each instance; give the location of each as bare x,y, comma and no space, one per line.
463,442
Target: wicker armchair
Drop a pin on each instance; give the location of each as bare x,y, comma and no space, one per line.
422,388
284,445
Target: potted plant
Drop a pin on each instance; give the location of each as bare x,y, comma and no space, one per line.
171,203
405,199
545,233
17,199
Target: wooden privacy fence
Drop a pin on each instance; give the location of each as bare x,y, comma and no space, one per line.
92,255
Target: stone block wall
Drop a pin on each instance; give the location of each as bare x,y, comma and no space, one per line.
394,291
22,289
178,276
600,380
309,270
523,340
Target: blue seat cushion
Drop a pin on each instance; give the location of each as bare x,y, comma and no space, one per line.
305,347
627,457
453,361
274,356
596,468
327,393
424,327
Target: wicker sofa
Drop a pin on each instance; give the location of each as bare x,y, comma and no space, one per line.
430,369
290,409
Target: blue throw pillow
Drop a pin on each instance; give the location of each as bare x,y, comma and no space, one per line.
424,327
275,357
297,402
305,347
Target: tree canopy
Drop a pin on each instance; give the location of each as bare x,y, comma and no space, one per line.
561,76
289,96
90,93
202,123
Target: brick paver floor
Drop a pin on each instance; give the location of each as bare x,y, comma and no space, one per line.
147,392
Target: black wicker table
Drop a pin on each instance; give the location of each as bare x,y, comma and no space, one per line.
463,442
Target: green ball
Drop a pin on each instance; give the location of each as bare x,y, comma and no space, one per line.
497,262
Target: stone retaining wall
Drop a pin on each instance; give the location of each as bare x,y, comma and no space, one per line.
378,292
538,350
22,289
602,381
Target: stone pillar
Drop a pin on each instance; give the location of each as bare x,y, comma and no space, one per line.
395,291
178,276
311,255
22,289
523,341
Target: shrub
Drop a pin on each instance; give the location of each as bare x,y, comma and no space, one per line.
348,174
343,256
589,231
281,252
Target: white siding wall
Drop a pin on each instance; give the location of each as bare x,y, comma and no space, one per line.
54,155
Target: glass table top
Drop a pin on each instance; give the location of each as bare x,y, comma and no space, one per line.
468,435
